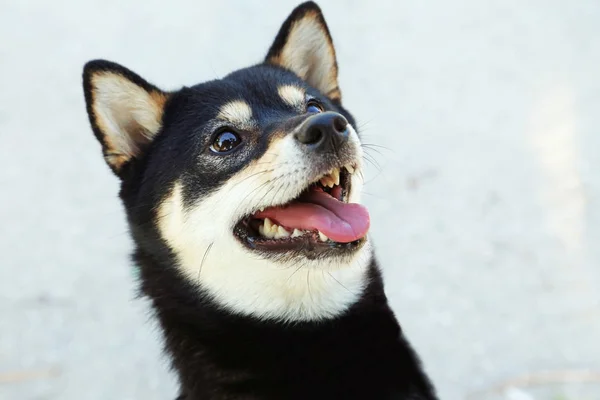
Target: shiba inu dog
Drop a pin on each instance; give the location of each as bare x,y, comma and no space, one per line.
242,196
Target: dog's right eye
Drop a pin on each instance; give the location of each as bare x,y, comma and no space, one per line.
314,107
225,142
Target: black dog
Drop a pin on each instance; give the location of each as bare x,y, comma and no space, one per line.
242,196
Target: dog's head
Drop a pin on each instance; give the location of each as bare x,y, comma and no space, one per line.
250,183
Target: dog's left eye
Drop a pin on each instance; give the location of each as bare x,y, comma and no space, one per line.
225,142
314,107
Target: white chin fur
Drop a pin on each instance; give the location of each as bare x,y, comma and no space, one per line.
310,290
241,280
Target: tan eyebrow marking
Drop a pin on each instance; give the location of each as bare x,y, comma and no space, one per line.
292,95
237,112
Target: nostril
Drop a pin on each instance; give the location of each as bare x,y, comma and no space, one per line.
340,124
323,130
311,135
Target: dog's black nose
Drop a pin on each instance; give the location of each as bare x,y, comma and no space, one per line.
324,131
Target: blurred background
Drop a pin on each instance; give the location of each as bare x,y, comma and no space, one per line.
485,197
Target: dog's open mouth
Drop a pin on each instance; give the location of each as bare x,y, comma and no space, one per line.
320,218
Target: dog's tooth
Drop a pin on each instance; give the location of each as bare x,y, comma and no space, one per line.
268,225
261,209
324,181
297,233
350,168
282,233
271,228
266,233
274,229
323,237
336,176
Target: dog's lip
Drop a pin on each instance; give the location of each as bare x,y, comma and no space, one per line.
320,211
351,167
309,243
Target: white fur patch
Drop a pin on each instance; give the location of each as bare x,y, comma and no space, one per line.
292,95
239,279
309,53
237,112
127,114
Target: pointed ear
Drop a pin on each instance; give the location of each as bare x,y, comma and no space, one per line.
125,111
304,46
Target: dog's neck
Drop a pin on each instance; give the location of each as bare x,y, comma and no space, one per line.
218,354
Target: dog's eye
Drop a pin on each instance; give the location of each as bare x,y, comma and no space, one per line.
314,107
225,142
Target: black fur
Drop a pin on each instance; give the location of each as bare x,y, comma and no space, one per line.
361,354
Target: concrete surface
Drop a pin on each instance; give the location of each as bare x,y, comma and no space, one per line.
485,209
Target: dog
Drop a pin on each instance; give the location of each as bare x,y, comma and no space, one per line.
243,200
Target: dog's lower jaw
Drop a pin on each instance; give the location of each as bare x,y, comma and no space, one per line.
217,354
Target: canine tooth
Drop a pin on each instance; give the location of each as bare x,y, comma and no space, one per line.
350,168
325,181
261,209
323,237
335,175
268,224
297,233
266,233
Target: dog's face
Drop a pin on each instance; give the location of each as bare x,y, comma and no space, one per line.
250,182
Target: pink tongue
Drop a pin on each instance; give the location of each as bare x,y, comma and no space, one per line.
339,221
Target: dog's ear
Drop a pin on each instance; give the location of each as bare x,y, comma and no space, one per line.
125,111
304,46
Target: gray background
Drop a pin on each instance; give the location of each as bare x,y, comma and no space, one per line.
485,209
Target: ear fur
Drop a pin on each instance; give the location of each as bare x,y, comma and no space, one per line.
124,110
304,46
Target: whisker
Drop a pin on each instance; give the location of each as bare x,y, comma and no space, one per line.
278,190
371,194
368,148
280,178
362,175
368,145
255,174
340,283
203,259
372,161
308,285
362,125
251,192
294,273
